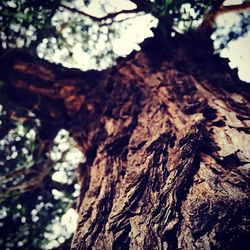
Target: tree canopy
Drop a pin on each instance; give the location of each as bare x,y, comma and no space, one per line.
38,174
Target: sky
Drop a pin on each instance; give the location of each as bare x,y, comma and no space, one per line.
237,51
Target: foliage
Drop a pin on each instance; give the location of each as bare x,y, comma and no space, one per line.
31,203
55,32
173,12
24,22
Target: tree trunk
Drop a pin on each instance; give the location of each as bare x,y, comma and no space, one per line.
166,136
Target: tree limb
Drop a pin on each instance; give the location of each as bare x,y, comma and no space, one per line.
234,8
46,88
63,187
60,97
29,184
100,19
219,9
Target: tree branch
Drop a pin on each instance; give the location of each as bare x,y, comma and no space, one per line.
100,19
63,187
234,8
45,88
60,97
219,9
27,185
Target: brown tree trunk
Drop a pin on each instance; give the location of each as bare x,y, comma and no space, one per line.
166,136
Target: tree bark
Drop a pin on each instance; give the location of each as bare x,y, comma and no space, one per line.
166,136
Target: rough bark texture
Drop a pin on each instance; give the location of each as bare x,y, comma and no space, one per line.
166,136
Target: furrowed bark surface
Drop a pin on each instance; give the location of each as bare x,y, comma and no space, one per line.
166,136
